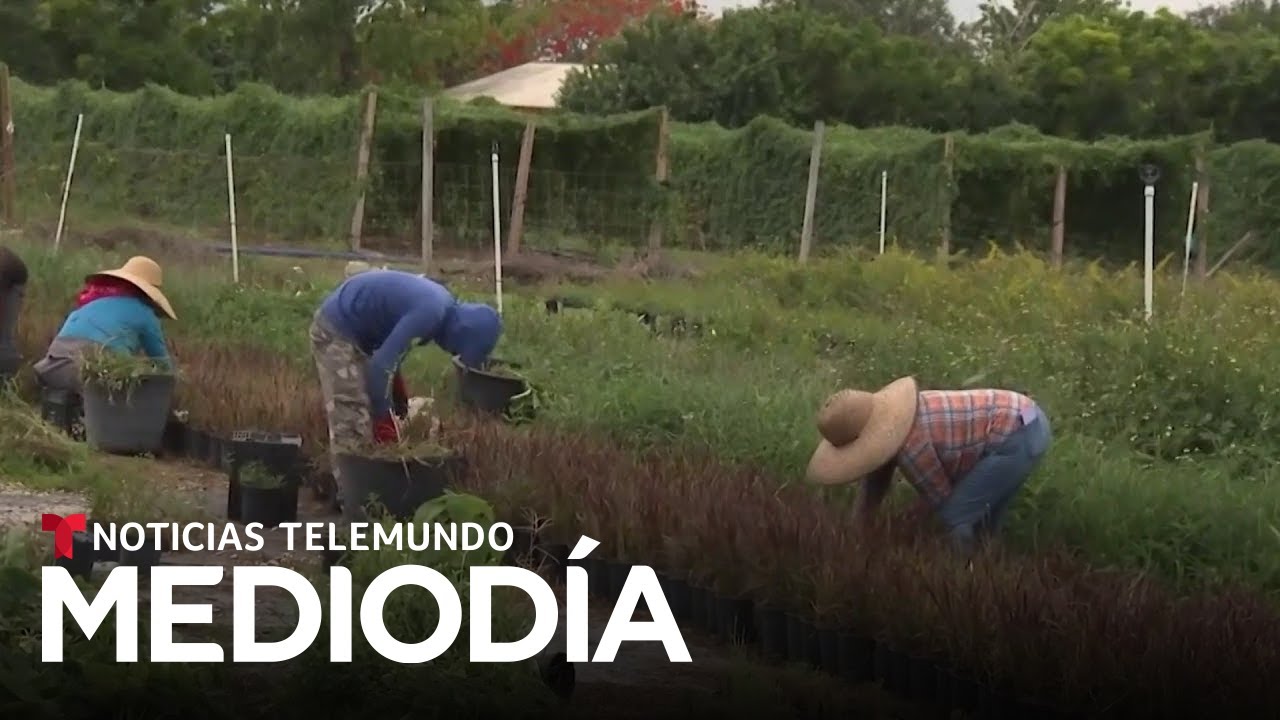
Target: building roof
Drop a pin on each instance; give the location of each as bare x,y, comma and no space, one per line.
532,85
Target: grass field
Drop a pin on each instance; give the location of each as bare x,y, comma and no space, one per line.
1165,436
687,439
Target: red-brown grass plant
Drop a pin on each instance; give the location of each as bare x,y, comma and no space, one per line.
1047,626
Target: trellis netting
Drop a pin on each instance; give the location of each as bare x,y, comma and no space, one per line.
156,155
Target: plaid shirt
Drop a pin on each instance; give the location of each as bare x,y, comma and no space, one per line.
952,431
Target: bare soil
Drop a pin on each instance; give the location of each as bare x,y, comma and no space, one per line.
530,267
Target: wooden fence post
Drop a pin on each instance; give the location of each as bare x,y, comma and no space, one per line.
662,171
948,178
1059,216
362,166
811,192
516,229
427,201
8,167
1202,218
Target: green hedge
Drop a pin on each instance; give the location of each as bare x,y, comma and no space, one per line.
158,155
155,154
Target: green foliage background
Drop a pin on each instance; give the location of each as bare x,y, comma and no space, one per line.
156,155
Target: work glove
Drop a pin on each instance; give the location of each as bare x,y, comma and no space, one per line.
399,396
385,430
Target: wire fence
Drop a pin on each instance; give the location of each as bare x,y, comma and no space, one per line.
293,200
304,201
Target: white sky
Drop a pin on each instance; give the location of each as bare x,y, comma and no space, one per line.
967,10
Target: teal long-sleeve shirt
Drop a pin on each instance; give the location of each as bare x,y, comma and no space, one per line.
123,324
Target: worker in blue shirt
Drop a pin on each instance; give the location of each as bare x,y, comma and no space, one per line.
362,332
118,310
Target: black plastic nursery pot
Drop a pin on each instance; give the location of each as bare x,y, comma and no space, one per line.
334,557
10,361
64,410
558,674
214,452
802,641
676,591
128,422
711,599
771,631
82,557
597,576
828,649
402,486
486,390
699,618
855,657
196,444
891,669
737,619
104,554
174,441
144,558
279,453
648,317
556,304
966,693
268,506
922,680
618,572
521,550
552,558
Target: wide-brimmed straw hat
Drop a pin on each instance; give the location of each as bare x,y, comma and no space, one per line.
862,431
144,274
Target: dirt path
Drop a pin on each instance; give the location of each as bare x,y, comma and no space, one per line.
20,505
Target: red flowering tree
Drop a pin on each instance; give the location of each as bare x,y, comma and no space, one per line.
571,30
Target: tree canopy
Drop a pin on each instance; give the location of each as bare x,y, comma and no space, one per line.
1077,68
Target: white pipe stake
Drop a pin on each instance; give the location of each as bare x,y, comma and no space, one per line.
66,186
231,211
1191,224
884,199
1149,252
497,231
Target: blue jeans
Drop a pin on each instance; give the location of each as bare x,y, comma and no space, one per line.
978,504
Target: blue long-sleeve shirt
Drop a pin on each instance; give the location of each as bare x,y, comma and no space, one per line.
382,312
123,324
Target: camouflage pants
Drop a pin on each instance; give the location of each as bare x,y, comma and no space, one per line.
341,366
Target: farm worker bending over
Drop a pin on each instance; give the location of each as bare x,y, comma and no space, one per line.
363,330
967,452
117,309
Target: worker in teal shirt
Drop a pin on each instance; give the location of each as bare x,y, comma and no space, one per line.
118,310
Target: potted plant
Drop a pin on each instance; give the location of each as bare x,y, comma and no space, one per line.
126,402
175,434
82,557
280,454
264,495
401,476
496,388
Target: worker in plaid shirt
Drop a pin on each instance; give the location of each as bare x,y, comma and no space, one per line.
966,452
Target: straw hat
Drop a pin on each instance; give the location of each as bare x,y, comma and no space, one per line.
144,274
861,431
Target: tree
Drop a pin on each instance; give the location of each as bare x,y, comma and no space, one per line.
929,20
572,30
